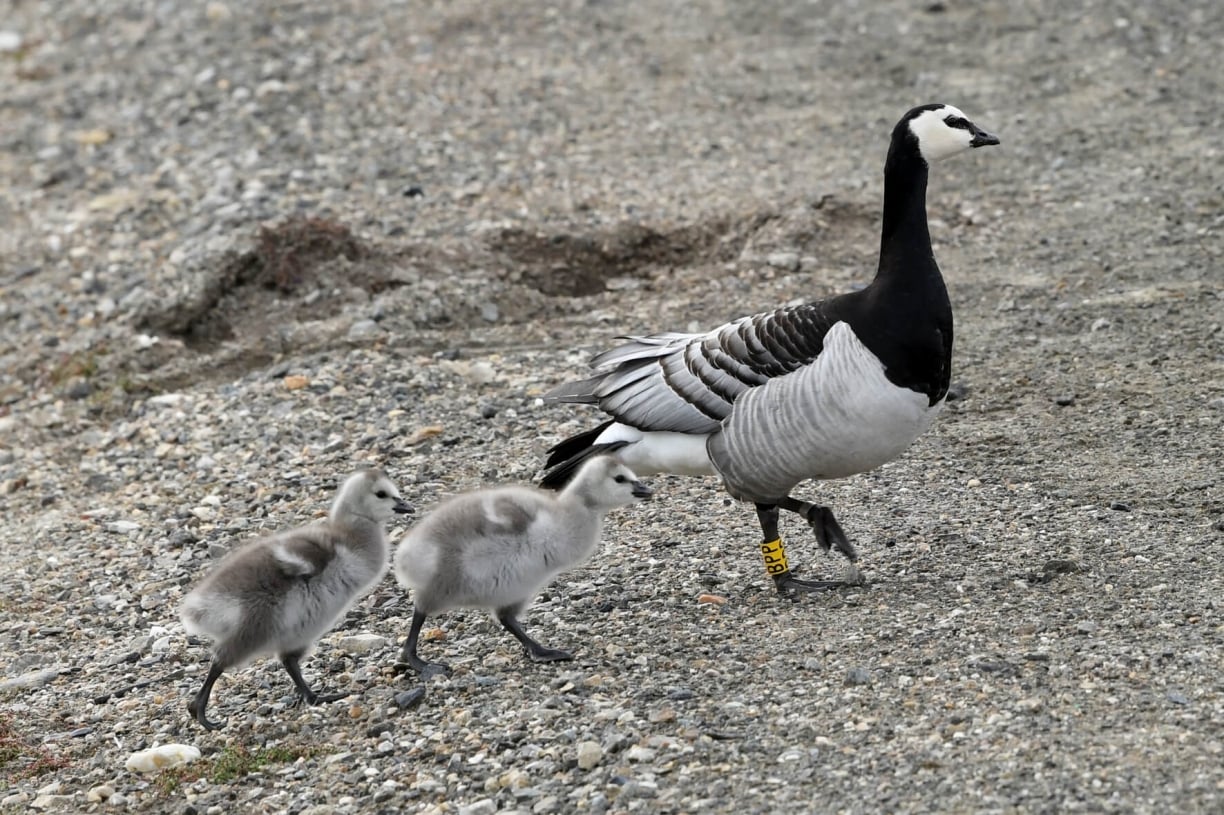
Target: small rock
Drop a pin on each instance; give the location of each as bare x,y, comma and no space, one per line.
362,643
787,261
1177,697
589,755
639,753
488,410
122,527
713,599
423,433
1119,506
485,806
490,313
10,41
295,382
364,329
205,513
99,793
1086,627
1100,324
80,389
56,802
409,698
161,758
31,679
1066,400
480,373
858,676
92,137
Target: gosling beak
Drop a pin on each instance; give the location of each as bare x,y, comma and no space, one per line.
642,491
402,507
981,138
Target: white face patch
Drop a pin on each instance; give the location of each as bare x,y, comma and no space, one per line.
936,140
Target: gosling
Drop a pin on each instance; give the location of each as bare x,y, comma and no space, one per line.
496,548
279,594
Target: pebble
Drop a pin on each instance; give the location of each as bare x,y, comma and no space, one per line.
31,679
787,261
10,41
858,676
122,527
589,755
638,753
409,698
364,329
361,643
99,793
161,757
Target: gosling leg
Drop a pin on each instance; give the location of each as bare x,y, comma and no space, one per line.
410,659
538,653
293,667
199,703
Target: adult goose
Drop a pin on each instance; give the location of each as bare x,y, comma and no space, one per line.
821,390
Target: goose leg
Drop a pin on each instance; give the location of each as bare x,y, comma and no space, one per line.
828,531
410,659
199,702
293,667
774,554
538,653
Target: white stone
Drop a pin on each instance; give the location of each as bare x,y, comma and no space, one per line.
362,643
589,755
162,757
639,753
123,527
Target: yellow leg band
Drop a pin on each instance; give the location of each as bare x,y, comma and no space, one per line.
775,557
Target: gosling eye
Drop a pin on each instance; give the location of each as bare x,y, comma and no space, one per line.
382,494
620,479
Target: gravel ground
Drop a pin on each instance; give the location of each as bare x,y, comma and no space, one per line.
247,248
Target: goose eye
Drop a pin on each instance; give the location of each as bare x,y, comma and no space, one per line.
620,479
957,121
381,494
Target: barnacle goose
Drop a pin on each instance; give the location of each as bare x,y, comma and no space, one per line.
279,594
496,548
821,390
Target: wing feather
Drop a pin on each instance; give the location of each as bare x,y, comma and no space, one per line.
688,383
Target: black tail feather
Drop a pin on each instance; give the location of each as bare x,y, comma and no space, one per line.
567,456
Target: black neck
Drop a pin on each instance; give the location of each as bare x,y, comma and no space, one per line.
904,316
905,241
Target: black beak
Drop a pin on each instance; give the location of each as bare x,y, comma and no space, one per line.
982,139
642,491
402,507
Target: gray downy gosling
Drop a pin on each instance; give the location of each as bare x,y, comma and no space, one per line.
279,594
496,548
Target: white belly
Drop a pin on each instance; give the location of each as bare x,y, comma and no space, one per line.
660,451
